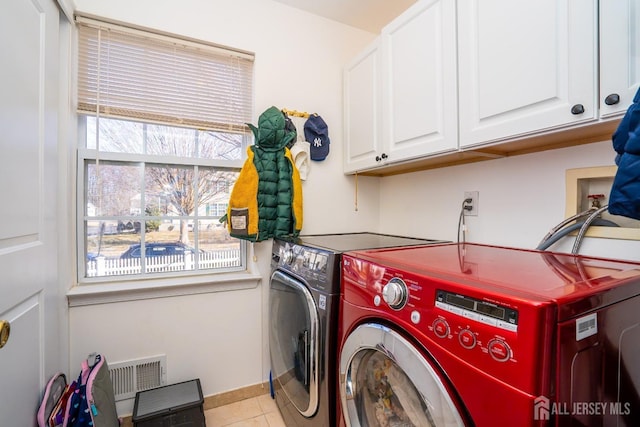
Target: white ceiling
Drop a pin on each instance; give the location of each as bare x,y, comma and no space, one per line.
368,15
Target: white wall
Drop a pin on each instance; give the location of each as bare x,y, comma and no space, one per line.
520,199
215,336
221,337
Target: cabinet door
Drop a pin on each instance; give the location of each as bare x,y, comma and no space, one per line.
619,55
524,66
362,110
419,93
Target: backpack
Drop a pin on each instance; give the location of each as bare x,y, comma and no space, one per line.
93,402
51,400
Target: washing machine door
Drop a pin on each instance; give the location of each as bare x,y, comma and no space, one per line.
293,342
386,381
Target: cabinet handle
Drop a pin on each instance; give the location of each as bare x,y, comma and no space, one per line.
384,156
577,109
378,158
612,99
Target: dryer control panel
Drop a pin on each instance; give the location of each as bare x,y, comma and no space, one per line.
316,267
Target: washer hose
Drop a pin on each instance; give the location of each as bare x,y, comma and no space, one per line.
585,226
553,238
562,229
558,227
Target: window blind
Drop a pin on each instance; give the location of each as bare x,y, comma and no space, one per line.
152,77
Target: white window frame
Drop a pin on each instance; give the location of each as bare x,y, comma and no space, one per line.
109,288
90,155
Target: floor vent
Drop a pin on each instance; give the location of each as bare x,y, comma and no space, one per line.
132,376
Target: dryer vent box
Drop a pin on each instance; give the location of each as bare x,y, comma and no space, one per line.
173,405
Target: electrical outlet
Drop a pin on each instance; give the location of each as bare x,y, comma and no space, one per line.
473,195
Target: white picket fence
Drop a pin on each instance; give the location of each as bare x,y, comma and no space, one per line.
102,266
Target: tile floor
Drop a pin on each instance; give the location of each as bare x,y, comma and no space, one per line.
258,411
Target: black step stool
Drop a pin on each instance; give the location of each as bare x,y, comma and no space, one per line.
175,405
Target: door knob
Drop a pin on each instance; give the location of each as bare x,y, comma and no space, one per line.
5,331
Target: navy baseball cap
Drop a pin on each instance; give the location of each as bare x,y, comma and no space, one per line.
316,134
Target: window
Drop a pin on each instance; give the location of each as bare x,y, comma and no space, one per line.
218,209
162,139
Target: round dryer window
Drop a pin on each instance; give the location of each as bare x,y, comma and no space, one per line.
385,381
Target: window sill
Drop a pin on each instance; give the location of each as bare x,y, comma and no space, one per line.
88,294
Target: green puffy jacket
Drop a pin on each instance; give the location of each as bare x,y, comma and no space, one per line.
266,200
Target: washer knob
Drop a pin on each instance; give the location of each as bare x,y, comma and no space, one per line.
441,328
395,293
499,350
467,339
288,256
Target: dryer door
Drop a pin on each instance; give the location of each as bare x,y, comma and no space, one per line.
293,342
385,380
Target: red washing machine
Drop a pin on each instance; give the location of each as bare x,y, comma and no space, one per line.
468,334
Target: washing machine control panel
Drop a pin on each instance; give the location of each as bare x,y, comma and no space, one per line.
481,311
478,310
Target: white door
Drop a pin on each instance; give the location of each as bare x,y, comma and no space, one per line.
29,297
524,67
619,55
363,111
420,101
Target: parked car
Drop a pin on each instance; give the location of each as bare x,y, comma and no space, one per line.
158,249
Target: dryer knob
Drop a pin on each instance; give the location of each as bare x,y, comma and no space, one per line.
395,293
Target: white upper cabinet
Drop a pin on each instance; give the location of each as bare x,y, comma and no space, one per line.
419,91
455,77
362,110
619,55
400,93
525,67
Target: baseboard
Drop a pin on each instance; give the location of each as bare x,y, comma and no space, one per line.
222,399
237,395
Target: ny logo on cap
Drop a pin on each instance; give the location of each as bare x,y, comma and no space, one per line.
317,142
